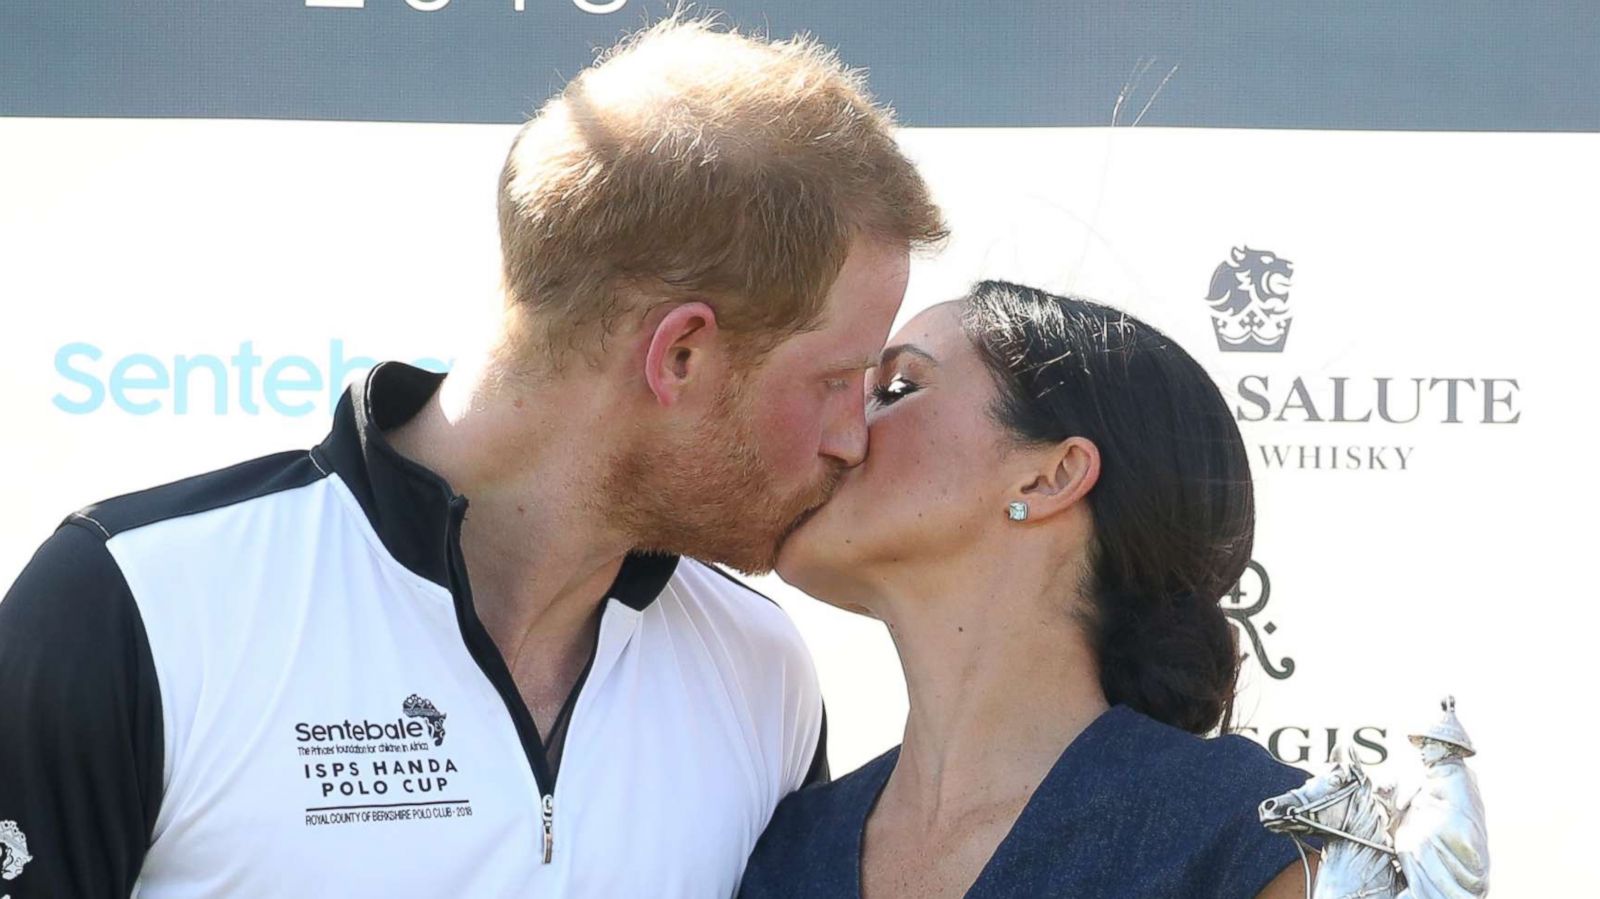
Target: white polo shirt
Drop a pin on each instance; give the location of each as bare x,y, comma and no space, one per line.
270,681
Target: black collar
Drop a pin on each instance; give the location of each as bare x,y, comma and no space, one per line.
407,504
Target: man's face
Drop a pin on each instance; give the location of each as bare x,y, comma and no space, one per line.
773,446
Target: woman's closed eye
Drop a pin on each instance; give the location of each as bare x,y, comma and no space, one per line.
897,389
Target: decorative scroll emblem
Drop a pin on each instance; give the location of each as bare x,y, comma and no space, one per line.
1435,845
417,707
1250,302
13,850
1255,583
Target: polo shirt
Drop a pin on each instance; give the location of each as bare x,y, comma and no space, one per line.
270,680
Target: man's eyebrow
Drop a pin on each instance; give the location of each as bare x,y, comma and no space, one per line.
854,363
890,354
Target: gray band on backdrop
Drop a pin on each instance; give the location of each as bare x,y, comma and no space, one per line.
1531,65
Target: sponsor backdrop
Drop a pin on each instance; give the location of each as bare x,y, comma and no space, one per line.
1369,225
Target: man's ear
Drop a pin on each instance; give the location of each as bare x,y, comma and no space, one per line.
1065,475
680,349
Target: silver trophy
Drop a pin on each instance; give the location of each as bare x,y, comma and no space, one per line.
1433,846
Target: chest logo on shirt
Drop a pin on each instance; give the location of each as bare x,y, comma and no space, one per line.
13,851
417,707
385,770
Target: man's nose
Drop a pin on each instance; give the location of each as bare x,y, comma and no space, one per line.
844,438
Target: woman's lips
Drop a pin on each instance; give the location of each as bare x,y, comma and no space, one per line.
843,479
800,521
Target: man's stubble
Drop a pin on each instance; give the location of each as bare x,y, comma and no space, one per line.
711,495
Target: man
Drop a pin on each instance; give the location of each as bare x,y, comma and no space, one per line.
1441,837
453,649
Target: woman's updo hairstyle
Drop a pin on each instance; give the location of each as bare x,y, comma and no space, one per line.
1174,512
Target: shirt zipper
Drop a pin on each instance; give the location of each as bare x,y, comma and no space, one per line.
487,655
549,827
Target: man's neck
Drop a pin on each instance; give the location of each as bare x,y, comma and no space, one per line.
538,552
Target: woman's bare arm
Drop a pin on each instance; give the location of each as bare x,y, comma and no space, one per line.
1290,882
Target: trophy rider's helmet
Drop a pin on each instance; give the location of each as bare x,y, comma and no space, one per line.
1447,730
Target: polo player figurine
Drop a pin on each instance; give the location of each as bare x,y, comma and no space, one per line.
1441,839
1433,846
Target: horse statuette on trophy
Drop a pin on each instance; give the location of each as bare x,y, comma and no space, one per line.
1432,846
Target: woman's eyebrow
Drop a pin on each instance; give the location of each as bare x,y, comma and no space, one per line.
890,354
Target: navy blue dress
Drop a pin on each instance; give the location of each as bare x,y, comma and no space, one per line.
1132,808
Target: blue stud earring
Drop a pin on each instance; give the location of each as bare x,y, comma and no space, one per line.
1017,511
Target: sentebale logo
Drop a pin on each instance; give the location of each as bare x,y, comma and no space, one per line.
417,707
1249,300
247,382
13,851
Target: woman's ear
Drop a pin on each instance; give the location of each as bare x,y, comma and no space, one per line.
679,350
1065,475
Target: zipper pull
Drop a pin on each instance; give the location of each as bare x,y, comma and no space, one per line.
549,827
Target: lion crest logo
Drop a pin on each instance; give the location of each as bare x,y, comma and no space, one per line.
13,850
417,707
1250,301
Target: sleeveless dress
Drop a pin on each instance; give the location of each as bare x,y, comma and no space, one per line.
1133,808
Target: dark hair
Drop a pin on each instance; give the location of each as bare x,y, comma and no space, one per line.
1174,512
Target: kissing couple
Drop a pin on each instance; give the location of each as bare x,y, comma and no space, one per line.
518,569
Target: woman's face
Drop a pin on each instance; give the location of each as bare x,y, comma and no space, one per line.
934,481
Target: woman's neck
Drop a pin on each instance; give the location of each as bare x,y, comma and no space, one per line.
1000,678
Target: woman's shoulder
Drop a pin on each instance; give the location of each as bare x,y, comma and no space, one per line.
826,806
1215,787
812,838
1149,804
1228,770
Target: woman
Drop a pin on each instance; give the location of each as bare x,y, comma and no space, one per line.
1055,498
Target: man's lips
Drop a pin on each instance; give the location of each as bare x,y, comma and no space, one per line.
807,515
834,481
800,521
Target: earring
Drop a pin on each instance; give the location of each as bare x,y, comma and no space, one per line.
1017,511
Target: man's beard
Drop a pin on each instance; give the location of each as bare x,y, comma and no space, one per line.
710,496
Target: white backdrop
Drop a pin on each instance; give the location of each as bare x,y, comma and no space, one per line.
181,294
